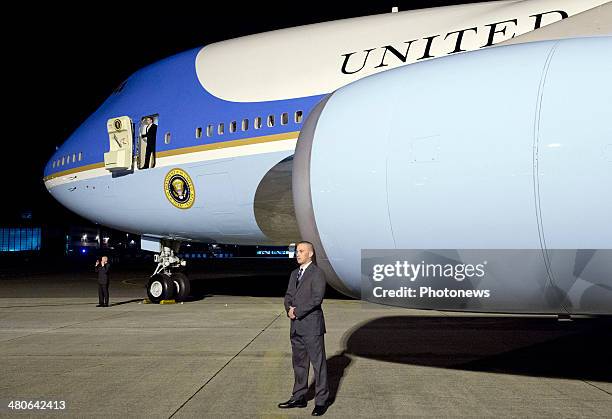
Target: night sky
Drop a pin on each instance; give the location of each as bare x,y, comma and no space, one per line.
60,69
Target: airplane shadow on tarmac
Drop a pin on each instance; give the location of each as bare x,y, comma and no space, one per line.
538,347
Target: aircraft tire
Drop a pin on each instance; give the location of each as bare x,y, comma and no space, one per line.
182,286
160,287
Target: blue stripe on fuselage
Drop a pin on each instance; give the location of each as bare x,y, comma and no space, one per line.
171,89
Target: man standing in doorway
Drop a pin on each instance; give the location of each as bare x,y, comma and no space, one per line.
149,134
102,268
303,306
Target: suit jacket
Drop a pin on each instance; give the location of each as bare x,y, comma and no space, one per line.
150,136
307,297
103,273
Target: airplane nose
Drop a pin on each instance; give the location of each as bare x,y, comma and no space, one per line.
52,167
66,159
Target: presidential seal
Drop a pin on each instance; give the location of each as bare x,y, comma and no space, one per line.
179,189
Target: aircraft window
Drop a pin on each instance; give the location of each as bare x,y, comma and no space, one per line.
284,118
198,132
57,164
221,129
245,124
74,157
53,164
298,117
167,138
63,160
270,120
209,131
233,126
257,122
80,155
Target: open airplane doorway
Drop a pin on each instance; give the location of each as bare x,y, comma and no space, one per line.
147,139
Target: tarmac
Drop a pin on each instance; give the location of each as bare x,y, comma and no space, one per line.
227,354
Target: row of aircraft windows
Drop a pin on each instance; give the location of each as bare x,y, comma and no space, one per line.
233,126
68,159
244,125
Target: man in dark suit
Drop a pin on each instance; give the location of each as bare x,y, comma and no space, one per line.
102,268
303,306
149,136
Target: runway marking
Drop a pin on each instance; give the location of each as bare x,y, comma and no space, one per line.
64,326
49,305
225,365
598,388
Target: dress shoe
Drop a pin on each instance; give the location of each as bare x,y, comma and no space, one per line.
99,305
290,404
319,410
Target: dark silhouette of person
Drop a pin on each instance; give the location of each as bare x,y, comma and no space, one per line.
102,268
149,136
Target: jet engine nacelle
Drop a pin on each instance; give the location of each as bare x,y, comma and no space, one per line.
507,148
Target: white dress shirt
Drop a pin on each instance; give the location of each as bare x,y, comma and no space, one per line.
303,268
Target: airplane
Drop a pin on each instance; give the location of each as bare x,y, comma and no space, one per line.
233,143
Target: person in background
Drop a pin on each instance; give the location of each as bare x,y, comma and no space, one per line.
102,268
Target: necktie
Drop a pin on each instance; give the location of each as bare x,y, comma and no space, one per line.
299,275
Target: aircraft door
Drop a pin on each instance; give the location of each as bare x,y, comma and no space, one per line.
120,134
147,139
